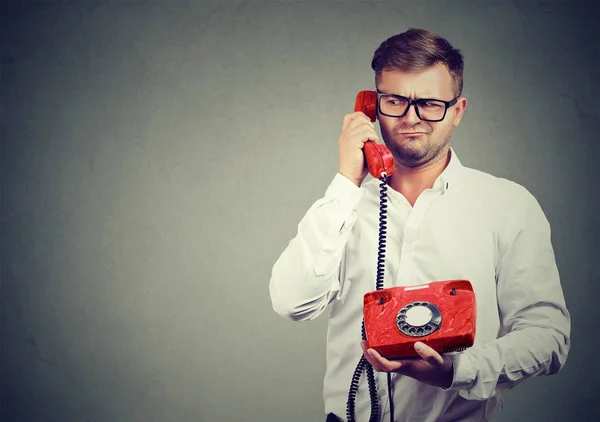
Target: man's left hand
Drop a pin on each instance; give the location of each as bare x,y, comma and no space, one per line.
430,367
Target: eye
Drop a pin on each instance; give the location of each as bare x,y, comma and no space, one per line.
394,102
431,104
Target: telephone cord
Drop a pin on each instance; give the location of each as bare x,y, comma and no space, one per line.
363,364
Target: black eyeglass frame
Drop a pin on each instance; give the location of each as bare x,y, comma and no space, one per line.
416,102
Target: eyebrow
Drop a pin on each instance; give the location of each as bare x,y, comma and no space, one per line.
418,98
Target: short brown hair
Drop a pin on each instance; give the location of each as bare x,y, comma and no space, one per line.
418,49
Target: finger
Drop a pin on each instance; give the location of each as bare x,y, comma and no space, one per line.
428,354
348,118
361,119
378,362
362,133
356,118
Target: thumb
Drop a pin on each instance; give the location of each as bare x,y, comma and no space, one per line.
428,354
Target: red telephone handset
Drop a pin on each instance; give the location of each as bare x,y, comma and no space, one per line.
379,158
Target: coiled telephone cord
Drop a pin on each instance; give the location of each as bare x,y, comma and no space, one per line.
363,364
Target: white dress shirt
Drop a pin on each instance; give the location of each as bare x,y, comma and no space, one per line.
470,225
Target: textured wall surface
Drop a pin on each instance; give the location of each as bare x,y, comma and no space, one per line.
158,156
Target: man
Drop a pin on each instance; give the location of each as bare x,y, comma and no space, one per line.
445,221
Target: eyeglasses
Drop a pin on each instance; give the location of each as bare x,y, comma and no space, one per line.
427,109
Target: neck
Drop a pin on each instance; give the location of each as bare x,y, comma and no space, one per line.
412,181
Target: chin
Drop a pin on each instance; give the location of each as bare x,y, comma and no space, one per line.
410,147
412,162
409,158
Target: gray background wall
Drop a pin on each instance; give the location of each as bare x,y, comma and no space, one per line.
158,156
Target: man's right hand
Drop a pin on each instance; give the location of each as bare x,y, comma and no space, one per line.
356,130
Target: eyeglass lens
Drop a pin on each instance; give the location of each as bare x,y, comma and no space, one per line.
396,107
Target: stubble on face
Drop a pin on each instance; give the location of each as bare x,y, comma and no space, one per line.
417,150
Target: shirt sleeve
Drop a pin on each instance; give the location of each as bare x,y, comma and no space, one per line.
532,310
304,279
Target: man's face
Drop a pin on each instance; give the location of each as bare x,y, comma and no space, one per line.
413,141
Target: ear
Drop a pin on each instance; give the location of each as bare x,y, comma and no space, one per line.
459,110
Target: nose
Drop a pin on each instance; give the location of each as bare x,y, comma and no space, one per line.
411,115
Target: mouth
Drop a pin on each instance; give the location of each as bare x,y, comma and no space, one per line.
411,133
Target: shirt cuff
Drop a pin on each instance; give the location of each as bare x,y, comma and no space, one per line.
342,188
464,375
